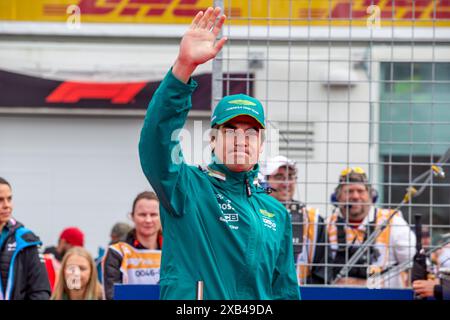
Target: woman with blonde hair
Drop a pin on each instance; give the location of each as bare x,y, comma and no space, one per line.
77,279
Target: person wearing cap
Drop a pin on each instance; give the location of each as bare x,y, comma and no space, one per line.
23,275
223,234
355,217
69,237
308,228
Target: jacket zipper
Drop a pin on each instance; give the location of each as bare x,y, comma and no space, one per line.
256,224
247,187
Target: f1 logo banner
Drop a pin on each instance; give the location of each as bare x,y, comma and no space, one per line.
19,90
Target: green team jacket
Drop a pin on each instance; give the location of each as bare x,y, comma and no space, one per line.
218,226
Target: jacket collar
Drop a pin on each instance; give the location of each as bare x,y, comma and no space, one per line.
12,225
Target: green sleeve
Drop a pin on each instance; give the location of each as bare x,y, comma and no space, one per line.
285,283
159,146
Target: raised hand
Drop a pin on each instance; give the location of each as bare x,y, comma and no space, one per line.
199,44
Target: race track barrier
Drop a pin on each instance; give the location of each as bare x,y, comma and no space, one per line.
151,292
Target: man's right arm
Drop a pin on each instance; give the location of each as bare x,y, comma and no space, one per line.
159,148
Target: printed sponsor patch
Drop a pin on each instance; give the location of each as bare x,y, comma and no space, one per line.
266,213
229,214
269,224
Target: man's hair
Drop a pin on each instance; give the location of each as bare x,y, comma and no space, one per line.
120,230
3,181
149,195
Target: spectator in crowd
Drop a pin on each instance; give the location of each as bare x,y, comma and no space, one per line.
51,265
118,233
77,279
437,287
308,227
136,260
22,270
354,219
220,228
431,259
433,288
69,237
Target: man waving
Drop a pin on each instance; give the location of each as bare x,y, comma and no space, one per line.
219,226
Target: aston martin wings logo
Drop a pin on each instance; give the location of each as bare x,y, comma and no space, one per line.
242,102
266,213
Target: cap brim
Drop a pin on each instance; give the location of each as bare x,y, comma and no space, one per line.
273,167
238,115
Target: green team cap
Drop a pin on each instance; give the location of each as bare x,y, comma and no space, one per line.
238,105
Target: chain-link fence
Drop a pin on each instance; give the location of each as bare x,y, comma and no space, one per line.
351,84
